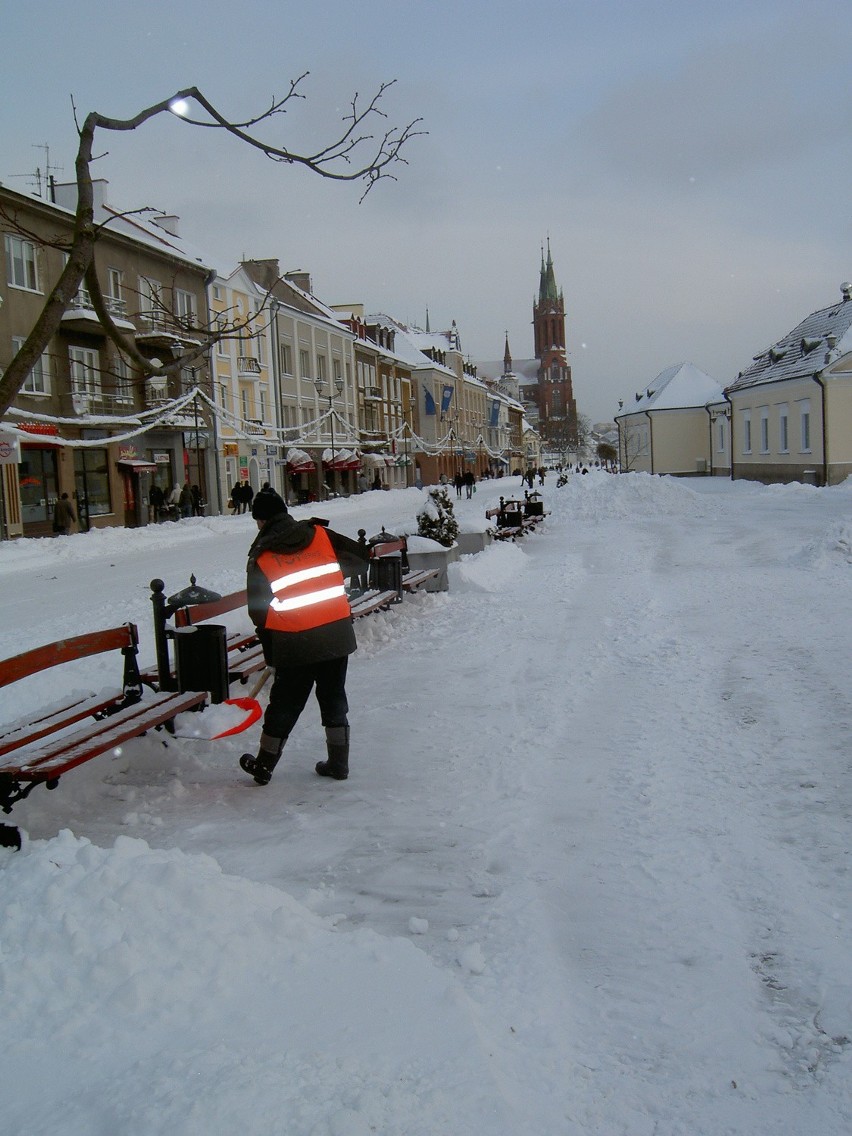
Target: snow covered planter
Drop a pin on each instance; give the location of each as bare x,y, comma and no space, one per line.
426,553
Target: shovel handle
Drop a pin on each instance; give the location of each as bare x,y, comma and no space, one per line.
261,682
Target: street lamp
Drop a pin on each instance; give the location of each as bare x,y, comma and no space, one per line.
333,392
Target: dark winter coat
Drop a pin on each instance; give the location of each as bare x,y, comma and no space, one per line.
63,515
283,534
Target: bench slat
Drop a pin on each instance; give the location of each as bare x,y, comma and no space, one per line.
372,601
24,732
48,761
413,580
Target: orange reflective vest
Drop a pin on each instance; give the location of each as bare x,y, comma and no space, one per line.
307,587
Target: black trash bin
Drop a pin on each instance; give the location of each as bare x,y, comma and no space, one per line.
386,573
201,660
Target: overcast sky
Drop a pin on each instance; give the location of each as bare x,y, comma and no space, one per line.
690,162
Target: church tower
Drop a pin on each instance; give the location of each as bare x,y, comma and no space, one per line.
556,404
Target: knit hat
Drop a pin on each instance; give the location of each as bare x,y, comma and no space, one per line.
267,504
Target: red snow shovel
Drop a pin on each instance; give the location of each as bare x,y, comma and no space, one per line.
250,704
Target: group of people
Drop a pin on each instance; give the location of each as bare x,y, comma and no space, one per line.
180,501
466,481
242,495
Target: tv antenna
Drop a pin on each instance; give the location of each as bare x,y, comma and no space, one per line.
42,181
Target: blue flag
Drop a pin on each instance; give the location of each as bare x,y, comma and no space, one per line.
446,398
430,403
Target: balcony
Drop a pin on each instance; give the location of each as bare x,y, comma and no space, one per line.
248,367
373,394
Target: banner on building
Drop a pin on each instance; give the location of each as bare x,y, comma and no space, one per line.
430,403
446,398
495,412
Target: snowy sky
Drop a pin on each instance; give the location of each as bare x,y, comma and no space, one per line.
684,159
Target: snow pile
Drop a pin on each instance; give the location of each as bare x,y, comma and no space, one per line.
489,570
269,1013
831,550
602,496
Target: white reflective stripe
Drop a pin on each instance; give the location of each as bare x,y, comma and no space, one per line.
307,601
303,574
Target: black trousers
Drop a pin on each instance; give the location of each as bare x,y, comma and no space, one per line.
292,687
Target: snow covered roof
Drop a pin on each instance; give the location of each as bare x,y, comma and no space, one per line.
680,387
408,343
159,231
816,341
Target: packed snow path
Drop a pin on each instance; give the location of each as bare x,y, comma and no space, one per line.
603,785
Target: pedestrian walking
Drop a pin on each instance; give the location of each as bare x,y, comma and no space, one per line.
63,516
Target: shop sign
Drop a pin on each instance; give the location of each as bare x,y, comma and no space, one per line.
45,429
10,449
161,459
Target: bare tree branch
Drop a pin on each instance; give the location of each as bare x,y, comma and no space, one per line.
354,155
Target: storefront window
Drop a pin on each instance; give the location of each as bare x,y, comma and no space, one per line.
92,484
37,481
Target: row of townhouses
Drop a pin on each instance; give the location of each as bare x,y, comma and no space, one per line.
315,399
786,417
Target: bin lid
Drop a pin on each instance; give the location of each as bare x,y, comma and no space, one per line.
193,595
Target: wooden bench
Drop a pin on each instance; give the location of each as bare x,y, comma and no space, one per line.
384,554
515,518
40,748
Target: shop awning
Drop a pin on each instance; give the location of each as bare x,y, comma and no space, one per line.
300,462
341,459
137,465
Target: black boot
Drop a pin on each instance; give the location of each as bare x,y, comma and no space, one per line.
261,767
337,744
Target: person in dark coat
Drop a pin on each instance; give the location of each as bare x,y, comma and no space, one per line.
469,482
247,497
297,602
63,516
458,482
156,501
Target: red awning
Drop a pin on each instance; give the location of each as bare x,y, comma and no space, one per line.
298,461
345,459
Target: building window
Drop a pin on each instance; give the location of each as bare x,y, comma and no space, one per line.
783,430
150,302
21,268
304,364
764,429
746,431
244,404
123,386
114,286
286,358
720,435
805,425
321,367
38,380
184,307
85,372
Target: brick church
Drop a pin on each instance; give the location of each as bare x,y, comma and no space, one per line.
543,384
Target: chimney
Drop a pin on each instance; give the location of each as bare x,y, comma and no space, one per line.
301,279
265,272
846,290
169,222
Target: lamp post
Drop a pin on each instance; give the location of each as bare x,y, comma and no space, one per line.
333,392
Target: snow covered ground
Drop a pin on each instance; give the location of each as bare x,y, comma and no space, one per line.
590,873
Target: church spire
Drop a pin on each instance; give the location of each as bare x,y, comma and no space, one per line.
547,288
507,358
